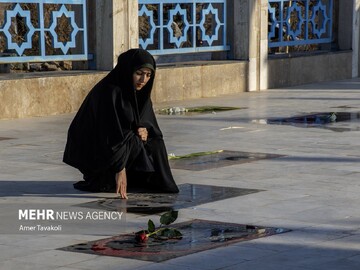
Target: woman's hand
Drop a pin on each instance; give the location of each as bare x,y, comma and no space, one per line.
121,184
143,134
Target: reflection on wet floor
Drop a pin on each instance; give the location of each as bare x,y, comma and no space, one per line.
195,110
5,138
345,107
218,159
335,121
198,235
150,203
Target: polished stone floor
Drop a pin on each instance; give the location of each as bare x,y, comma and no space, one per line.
197,235
220,158
311,188
190,195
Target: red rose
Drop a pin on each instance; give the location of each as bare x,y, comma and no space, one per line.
141,237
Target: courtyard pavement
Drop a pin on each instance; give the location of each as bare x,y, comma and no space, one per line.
313,190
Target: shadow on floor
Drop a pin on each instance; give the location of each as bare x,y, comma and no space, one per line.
13,188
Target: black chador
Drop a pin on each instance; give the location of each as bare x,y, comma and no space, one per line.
102,138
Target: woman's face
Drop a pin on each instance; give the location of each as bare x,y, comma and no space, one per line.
141,77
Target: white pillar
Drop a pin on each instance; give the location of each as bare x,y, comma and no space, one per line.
254,45
258,45
264,43
116,30
355,39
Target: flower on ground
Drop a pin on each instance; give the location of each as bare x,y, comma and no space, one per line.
161,233
141,237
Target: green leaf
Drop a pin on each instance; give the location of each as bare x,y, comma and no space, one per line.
168,217
177,233
151,226
170,233
165,232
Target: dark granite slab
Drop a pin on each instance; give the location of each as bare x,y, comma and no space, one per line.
149,203
219,159
198,235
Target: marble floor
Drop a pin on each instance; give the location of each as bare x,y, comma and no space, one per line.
311,188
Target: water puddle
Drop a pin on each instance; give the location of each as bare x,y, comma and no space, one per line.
344,107
150,203
5,138
198,235
335,121
216,159
195,110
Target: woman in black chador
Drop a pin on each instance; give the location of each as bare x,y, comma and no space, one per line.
114,139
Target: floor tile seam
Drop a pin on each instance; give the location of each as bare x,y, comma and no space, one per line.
246,245
18,259
324,251
75,264
169,262
254,259
207,268
16,262
297,263
36,249
345,236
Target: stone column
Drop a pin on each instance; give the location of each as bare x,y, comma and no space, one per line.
346,8
116,30
264,45
248,36
355,40
254,45
238,29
